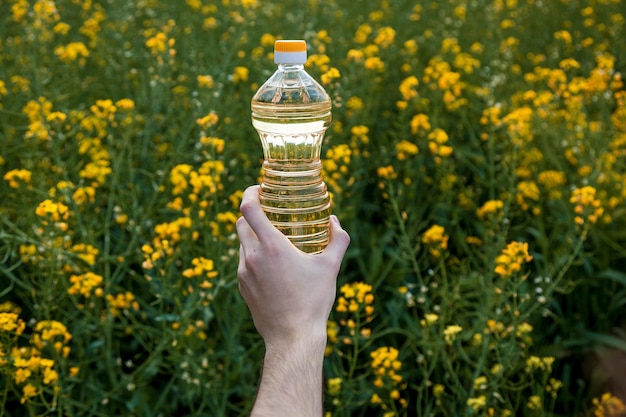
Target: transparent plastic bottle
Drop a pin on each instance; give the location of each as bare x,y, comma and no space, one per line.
291,112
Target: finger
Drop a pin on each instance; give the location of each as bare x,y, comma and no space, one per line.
241,268
242,274
339,240
251,209
245,232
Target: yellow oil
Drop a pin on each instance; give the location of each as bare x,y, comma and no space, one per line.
293,193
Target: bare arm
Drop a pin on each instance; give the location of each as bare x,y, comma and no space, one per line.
291,382
290,295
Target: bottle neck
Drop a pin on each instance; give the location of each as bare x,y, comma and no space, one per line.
290,67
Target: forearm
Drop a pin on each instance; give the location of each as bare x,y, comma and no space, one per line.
291,382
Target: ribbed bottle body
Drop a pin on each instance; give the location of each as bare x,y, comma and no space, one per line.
293,193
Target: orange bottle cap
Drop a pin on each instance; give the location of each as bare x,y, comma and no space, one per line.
290,52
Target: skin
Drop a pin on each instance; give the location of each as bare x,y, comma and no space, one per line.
290,295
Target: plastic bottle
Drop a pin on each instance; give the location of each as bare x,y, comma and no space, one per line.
291,112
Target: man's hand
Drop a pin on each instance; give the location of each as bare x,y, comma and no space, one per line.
290,295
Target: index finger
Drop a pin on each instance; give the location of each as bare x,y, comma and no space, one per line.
253,213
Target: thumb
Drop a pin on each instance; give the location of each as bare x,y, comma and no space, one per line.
339,240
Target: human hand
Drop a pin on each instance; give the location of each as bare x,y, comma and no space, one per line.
290,293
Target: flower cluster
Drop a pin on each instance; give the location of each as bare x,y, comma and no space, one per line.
336,167
354,311
87,284
512,258
491,209
587,207
608,405
121,302
15,177
437,144
436,239
34,368
356,297
388,381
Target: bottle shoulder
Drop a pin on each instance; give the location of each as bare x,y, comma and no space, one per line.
290,86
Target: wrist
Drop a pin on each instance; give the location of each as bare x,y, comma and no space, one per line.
309,345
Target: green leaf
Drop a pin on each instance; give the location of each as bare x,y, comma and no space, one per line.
612,274
606,340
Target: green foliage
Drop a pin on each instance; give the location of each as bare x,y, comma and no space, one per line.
476,158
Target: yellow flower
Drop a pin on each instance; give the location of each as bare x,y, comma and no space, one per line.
321,61
542,363
74,370
157,43
450,333
50,376
52,210
404,149
61,28
28,391
362,33
208,121
551,179
480,382
608,406
125,104
438,136
408,87
202,267
205,81
72,52
374,63
477,403
385,36
84,284
564,36
354,103
527,191
466,62
84,194
385,364
16,177
334,386
49,332
240,75
121,301
534,402
215,142
355,297
267,40
431,318
554,385
86,252
436,239
97,171
355,55
419,122
512,258
410,46
586,206
386,172
10,322
19,84
330,75
490,208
